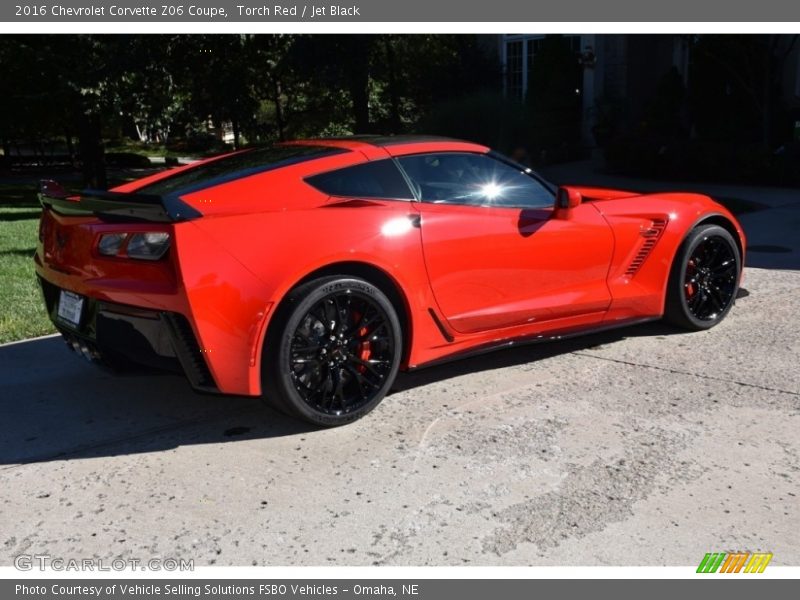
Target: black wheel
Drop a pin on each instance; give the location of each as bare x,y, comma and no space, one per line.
704,278
333,352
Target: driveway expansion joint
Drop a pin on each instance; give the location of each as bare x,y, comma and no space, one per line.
690,373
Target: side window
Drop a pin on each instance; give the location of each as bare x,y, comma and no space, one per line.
474,179
377,179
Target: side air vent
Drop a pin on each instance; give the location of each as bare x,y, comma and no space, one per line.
445,334
188,352
650,236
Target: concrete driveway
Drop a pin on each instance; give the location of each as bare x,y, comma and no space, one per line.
642,447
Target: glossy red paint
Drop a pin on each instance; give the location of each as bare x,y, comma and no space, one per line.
466,276
515,275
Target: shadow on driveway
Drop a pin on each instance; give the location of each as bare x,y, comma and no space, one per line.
55,406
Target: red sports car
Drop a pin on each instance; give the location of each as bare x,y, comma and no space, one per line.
310,272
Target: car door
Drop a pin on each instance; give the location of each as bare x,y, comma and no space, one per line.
496,254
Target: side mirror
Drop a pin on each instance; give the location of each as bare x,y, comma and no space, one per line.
567,199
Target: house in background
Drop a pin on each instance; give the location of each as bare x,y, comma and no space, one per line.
625,71
620,69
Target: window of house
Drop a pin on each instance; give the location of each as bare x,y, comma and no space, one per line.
521,56
514,66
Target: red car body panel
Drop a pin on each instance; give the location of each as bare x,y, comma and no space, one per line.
520,281
468,277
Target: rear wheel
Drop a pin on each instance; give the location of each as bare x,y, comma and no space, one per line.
334,351
704,278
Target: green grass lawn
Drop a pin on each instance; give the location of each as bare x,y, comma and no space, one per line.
22,313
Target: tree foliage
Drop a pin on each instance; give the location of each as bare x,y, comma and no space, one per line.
172,89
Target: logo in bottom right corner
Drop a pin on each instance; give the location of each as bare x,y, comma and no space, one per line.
734,562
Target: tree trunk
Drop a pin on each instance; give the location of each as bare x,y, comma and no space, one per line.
394,95
91,151
279,111
70,147
236,133
359,82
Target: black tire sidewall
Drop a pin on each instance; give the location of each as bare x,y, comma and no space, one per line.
278,384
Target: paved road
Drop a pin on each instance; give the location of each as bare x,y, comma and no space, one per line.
644,447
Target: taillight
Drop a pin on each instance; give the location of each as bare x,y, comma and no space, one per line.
149,245
110,243
45,223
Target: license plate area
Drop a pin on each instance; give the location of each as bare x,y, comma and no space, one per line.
70,308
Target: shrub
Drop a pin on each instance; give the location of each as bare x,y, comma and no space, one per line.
198,143
129,160
487,118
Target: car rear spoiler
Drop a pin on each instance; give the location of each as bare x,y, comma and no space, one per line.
115,206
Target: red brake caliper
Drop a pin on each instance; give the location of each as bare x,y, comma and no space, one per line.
364,351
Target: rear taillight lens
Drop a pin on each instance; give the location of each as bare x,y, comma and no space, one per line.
110,243
150,245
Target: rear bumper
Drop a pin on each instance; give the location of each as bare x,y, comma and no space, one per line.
197,296
109,331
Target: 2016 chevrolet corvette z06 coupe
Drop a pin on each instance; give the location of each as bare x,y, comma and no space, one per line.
310,272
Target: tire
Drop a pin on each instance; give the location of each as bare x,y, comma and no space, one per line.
333,352
704,279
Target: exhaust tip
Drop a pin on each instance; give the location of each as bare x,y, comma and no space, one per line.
83,349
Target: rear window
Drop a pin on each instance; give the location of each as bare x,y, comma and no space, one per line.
236,166
377,179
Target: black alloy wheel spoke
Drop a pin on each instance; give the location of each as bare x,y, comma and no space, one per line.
347,315
329,309
318,314
306,349
336,378
717,302
712,251
368,364
338,323
700,303
374,381
725,269
364,321
342,352
305,361
359,379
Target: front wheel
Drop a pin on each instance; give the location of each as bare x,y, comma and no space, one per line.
704,278
333,352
